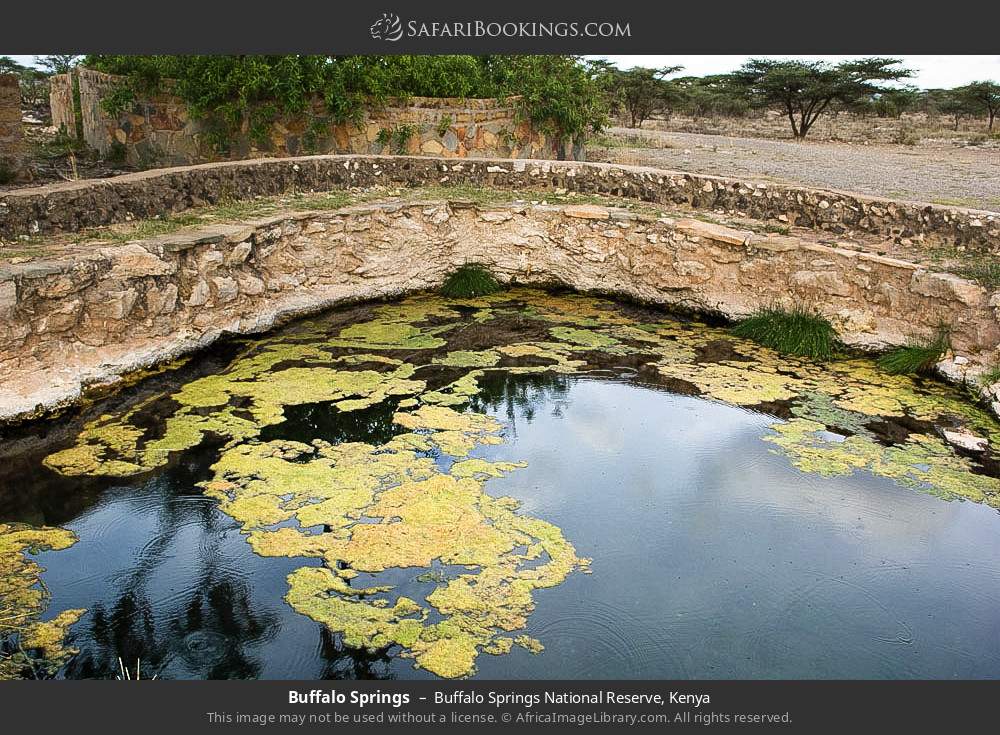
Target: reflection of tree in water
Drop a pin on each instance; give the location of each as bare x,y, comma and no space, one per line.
343,662
205,636
500,390
371,425
202,633
209,630
34,494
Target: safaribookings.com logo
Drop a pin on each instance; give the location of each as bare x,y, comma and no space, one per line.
390,28
387,28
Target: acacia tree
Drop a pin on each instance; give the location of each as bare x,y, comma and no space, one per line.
804,90
982,97
894,102
643,92
9,66
57,63
956,106
710,95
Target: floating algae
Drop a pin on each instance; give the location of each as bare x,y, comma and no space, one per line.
466,358
387,507
235,405
584,337
311,366
414,497
30,646
922,461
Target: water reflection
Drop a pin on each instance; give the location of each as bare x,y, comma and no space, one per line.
712,555
713,558
519,396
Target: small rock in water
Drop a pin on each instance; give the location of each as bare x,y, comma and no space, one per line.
965,440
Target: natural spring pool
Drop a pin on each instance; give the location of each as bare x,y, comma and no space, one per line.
527,485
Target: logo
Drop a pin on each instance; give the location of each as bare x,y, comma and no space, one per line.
387,28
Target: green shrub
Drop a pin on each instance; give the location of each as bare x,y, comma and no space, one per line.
557,93
402,135
906,136
468,282
915,358
991,376
444,125
798,331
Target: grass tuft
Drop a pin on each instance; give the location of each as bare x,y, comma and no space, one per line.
792,332
470,281
917,357
991,376
985,271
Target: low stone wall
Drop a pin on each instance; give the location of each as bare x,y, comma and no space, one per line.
13,154
157,129
66,323
72,206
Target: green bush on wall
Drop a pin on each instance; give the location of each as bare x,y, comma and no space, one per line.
796,331
918,357
558,93
470,281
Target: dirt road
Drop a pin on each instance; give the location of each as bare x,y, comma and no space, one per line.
940,174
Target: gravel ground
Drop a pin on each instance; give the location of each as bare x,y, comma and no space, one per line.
943,174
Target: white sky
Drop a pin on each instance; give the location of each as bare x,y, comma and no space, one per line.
931,71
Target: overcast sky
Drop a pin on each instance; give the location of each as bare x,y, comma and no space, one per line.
930,71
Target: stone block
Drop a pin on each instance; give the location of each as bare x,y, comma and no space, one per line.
586,211
946,286
816,284
8,299
225,289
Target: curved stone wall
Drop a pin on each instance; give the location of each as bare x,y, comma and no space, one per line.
78,320
71,206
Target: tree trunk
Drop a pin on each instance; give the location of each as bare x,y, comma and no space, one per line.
795,128
804,124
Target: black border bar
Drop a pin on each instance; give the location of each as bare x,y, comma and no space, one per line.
789,706
342,27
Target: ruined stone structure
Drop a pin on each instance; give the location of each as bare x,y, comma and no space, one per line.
70,321
158,130
13,161
61,103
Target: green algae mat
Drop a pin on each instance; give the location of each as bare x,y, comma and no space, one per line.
369,449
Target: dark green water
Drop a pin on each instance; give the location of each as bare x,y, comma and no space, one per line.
712,555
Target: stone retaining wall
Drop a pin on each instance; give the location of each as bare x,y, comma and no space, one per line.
157,129
72,206
13,162
66,323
